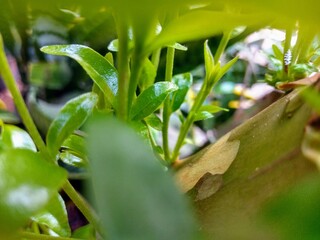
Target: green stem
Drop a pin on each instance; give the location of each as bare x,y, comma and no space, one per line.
287,46
83,206
123,69
136,67
19,101
203,93
166,109
210,80
34,236
155,58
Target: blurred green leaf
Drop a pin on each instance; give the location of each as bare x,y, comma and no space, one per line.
178,46
53,75
70,118
150,99
97,67
55,216
136,198
14,137
199,24
203,115
184,82
85,232
8,117
295,214
27,183
312,97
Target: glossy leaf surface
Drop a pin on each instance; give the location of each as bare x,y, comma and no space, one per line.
154,121
150,99
54,216
184,82
96,66
70,118
203,115
27,183
137,199
14,137
76,144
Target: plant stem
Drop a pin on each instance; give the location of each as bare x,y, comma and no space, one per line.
166,109
34,236
19,101
136,66
123,69
83,206
210,80
287,46
155,58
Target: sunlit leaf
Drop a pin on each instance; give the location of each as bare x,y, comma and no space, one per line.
203,115
96,66
27,183
213,108
150,99
136,198
184,82
208,58
54,216
70,118
225,68
199,24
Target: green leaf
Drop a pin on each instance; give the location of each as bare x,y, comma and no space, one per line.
76,144
277,52
85,232
147,75
27,183
178,46
96,66
199,24
208,58
14,137
154,121
213,108
312,97
54,216
184,82
70,158
203,115
136,197
283,217
226,67
70,118
150,99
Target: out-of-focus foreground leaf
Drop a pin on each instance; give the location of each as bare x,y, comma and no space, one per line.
135,197
27,183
